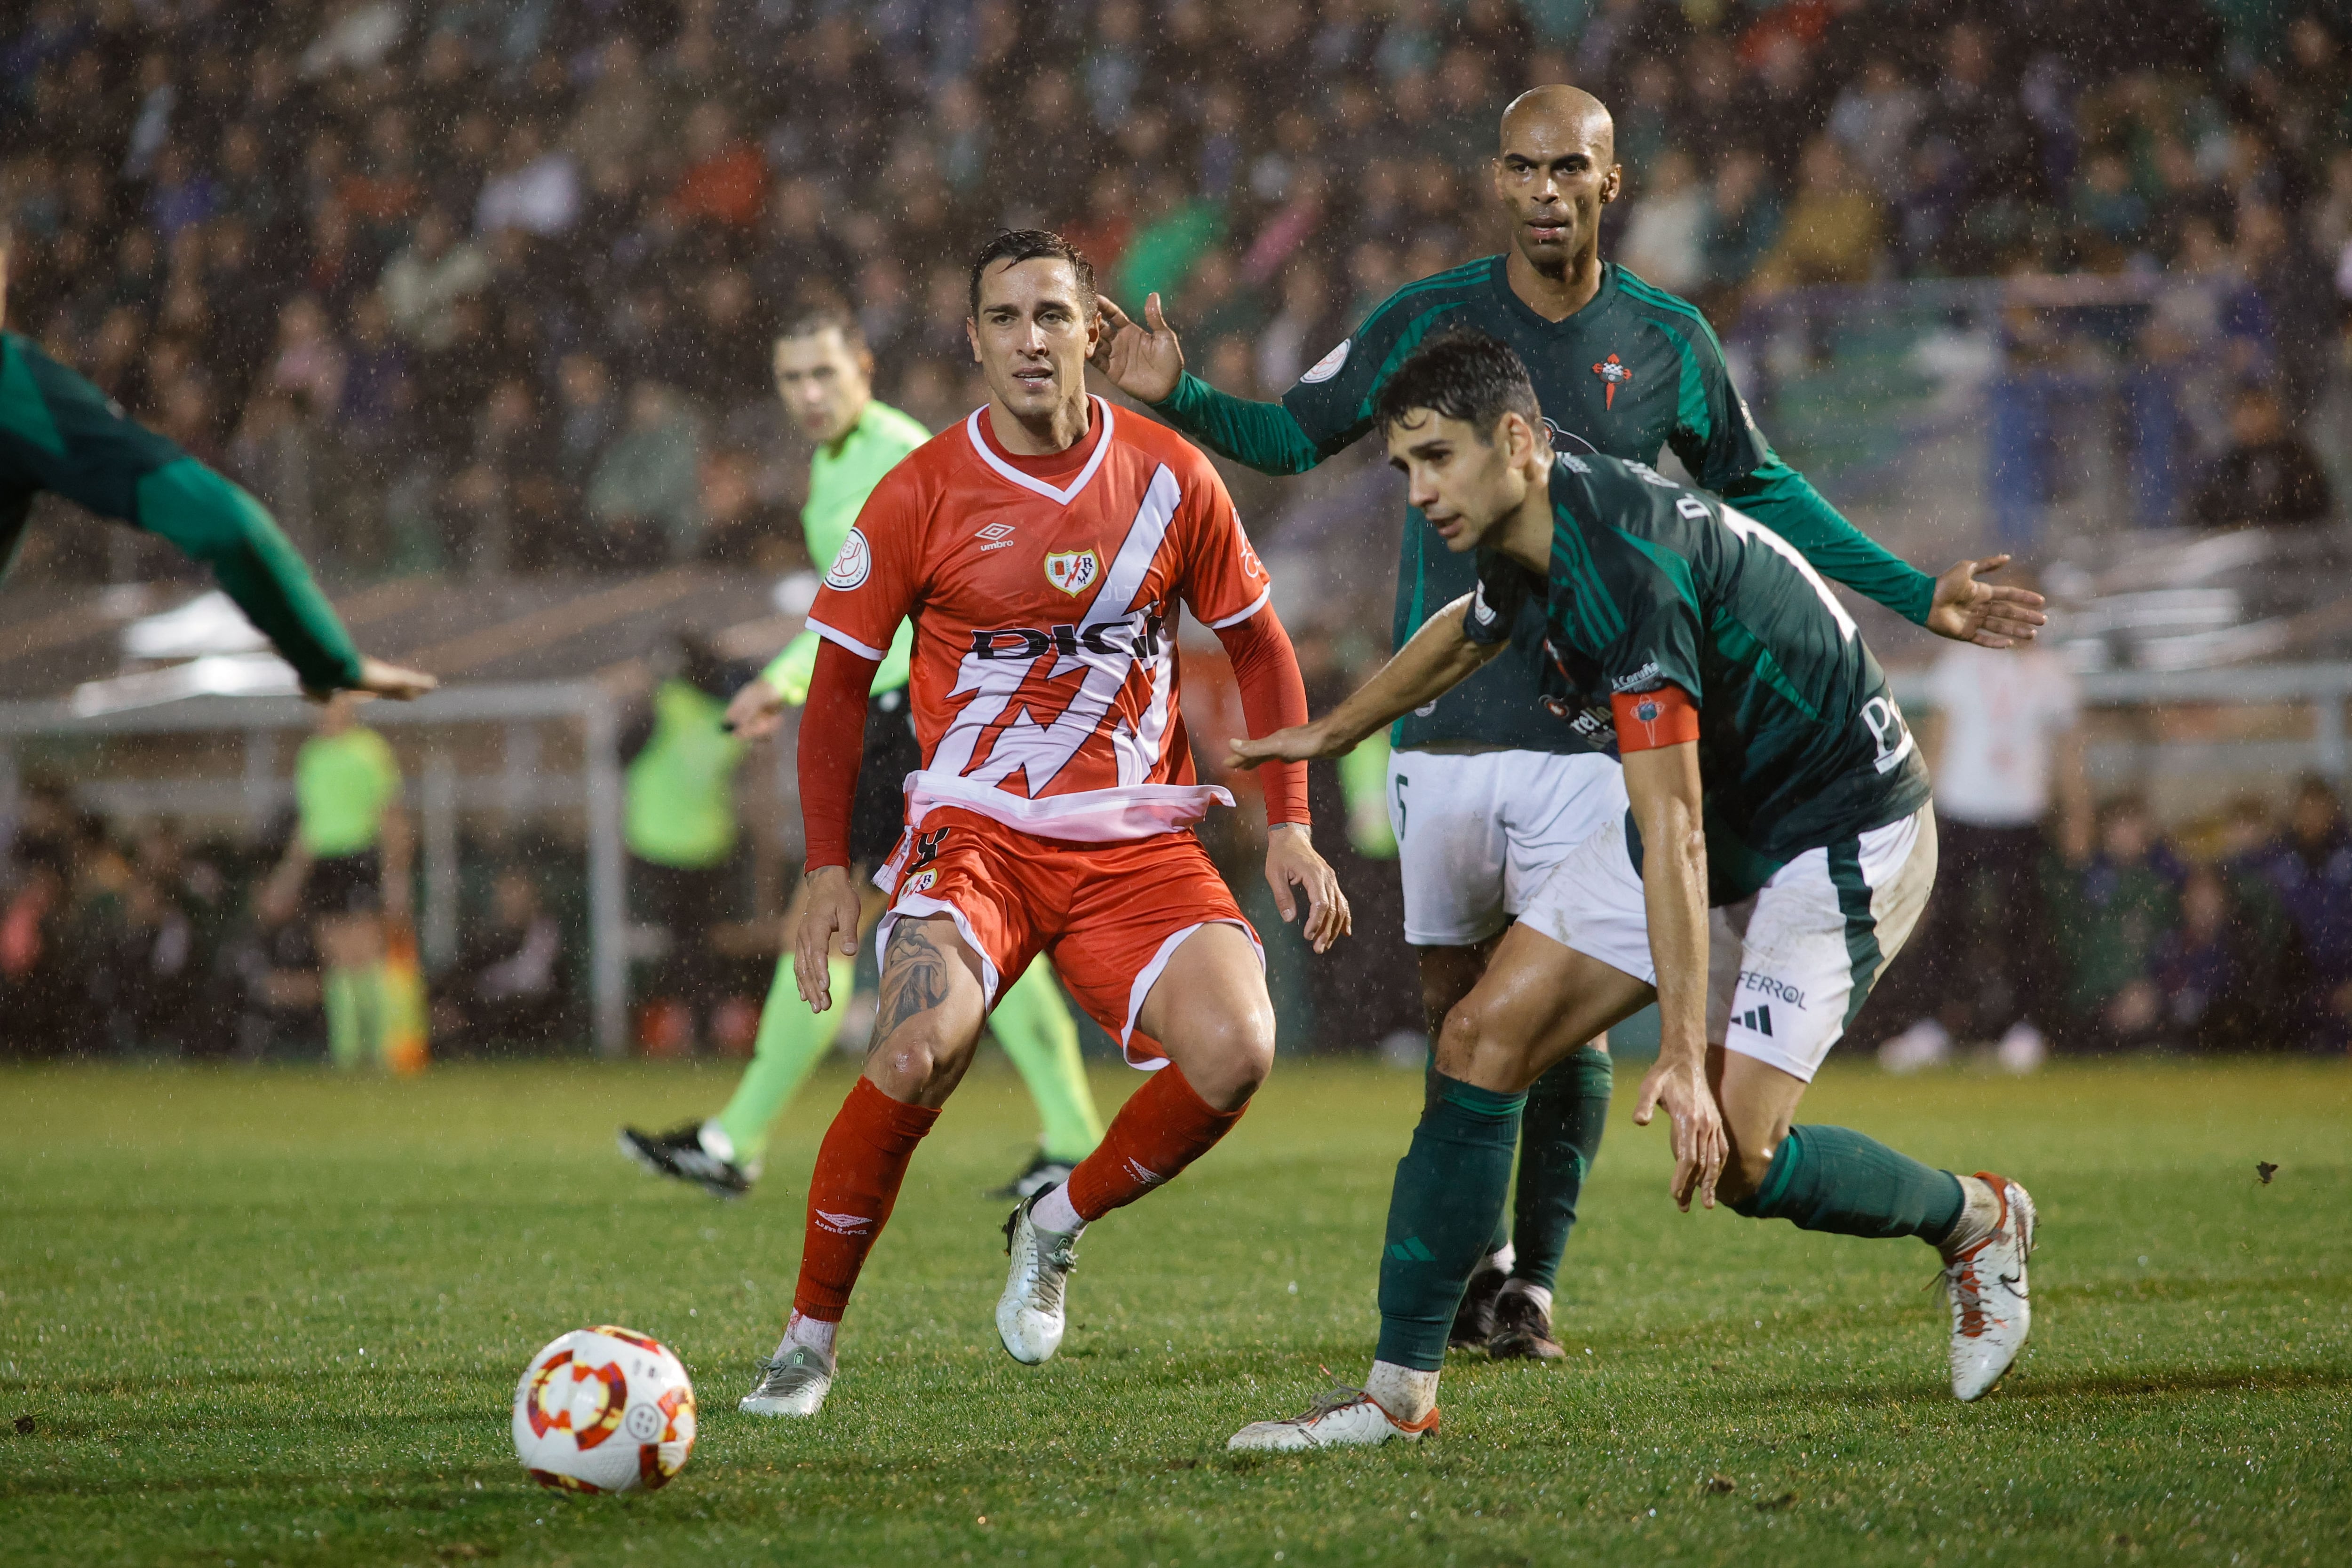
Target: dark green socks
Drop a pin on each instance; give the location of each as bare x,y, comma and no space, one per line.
1835,1179
1450,1188
1559,1138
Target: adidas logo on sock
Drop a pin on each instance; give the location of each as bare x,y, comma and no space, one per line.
1758,1019
843,1224
1410,1250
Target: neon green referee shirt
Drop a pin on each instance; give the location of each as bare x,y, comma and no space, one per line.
841,476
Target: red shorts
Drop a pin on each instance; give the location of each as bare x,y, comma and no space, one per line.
1108,916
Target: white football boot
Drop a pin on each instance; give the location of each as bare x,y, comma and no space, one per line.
1343,1418
1029,1315
793,1384
1991,1309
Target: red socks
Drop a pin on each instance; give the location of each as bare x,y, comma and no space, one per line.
859,1169
1162,1128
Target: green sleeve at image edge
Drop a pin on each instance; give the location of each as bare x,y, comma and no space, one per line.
1264,435
213,521
1781,498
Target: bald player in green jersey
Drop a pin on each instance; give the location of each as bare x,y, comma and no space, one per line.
61,434
825,374
1486,791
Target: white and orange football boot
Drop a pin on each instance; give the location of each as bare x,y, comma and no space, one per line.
1345,1417
1991,1309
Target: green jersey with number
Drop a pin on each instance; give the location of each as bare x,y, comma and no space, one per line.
840,478
1654,585
60,433
1635,370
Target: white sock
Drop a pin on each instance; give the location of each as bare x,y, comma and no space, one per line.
1406,1395
715,1141
814,1332
1535,1294
1980,1212
1500,1259
1054,1212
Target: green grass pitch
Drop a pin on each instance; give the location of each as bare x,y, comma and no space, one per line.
276,1318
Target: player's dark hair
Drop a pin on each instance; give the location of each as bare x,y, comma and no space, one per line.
808,321
1462,374
1033,245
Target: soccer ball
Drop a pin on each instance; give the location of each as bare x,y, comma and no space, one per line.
603,1409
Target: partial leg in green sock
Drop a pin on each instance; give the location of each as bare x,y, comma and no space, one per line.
1034,1025
346,1029
1559,1138
789,1041
1450,1190
1837,1180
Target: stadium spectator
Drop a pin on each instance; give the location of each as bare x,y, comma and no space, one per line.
2005,747
1833,230
2204,969
2115,906
2309,867
643,495
2268,476
426,277
511,982
1665,237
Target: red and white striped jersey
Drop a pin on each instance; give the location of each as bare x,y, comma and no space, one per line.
1044,595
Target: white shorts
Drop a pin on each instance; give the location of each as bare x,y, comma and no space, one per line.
1478,832
1787,968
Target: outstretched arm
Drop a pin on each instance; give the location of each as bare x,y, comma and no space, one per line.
1954,605
70,438
1146,361
1440,658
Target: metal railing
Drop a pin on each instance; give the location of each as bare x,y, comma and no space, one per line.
439,795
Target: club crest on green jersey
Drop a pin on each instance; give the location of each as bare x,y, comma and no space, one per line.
1614,372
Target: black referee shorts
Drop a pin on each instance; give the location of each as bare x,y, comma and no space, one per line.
879,810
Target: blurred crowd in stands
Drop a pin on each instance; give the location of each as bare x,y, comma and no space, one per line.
487,286
133,939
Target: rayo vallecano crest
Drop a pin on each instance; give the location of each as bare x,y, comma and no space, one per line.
1073,572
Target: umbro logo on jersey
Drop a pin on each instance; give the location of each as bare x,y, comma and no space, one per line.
1614,372
998,535
1073,572
1757,1019
843,1224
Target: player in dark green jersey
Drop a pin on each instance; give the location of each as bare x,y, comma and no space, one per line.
1487,793
60,433
1772,780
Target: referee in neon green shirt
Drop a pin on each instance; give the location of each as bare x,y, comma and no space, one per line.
825,375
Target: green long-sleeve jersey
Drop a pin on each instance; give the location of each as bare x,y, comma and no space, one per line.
1634,371
60,433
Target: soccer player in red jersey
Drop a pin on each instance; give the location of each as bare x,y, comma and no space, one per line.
1043,549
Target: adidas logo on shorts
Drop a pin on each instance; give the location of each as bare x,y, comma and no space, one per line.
1758,1019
